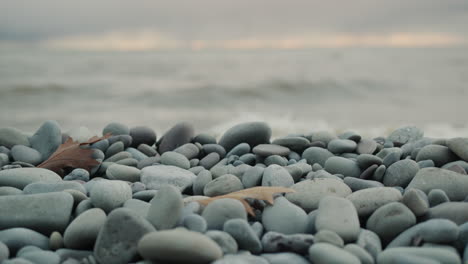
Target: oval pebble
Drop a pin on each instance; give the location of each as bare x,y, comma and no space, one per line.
284,217
252,133
324,253
368,200
225,184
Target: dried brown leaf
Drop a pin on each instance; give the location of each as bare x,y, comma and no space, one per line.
71,155
260,193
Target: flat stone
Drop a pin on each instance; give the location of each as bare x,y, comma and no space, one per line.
46,212
225,184
431,231
175,159
266,150
275,175
367,201
252,177
82,232
454,211
252,133
286,257
26,154
366,146
400,173
441,155
123,173
324,253
316,155
284,217
119,156
366,160
47,138
179,245
343,166
46,187
42,257
339,215
418,255
390,220
17,238
110,194
10,137
177,136
369,241
156,176
338,146
309,192
21,177
219,211
406,134
142,135
297,144
224,240
244,235
209,148
278,242
459,146
118,238
455,185
115,129
166,208
416,200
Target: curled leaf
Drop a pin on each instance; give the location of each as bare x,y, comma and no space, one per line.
260,193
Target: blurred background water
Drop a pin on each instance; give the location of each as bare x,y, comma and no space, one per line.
300,65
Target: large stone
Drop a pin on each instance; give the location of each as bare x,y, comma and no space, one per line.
10,137
47,138
368,200
219,211
400,173
459,146
21,177
45,212
343,166
17,238
118,238
82,232
156,176
166,208
252,133
338,215
284,217
179,246
309,192
316,155
142,135
109,195
177,136
455,185
324,253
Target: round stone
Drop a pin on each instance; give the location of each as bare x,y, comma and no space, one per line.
219,211
400,173
26,154
252,133
441,155
166,208
156,176
82,232
177,136
175,159
338,146
366,160
298,144
116,129
324,253
275,175
343,166
194,222
123,173
189,150
18,237
47,138
316,155
109,195
284,217
77,175
204,139
225,184
55,241
266,150
224,240
210,160
367,201
142,135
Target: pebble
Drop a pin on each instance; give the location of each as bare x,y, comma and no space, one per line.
322,136
316,155
156,176
432,231
455,185
324,253
225,184
204,139
189,150
136,154
391,158
4,252
195,223
266,150
339,215
101,145
400,173
238,150
454,211
26,154
139,207
330,237
244,235
284,217
131,162
219,211
147,150
406,134
45,212
252,133
146,162
114,149
17,238
366,160
10,137
166,208
118,156
358,184
224,240
338,146
209,148
142,135
55,241
275,175
125,139
297,144
7,190
418,256
286,257
369,241
21,177
379,173
308,193
17,261
175,159
367,201
390,220
252,177
179,245
241,259
82,232
41,257
278,242
4,159
248,158
339,165
115,129
360,253
210,160
441,155
275,160
202,179
417,201
47,139
46,187
116,242
436,197
177,136
366,146
77,175
110,194
459,146
145,195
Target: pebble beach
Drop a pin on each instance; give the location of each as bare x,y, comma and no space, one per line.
145,196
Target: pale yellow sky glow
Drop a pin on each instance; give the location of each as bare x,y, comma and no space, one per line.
150,40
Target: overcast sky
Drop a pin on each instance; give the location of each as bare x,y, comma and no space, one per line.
221,19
